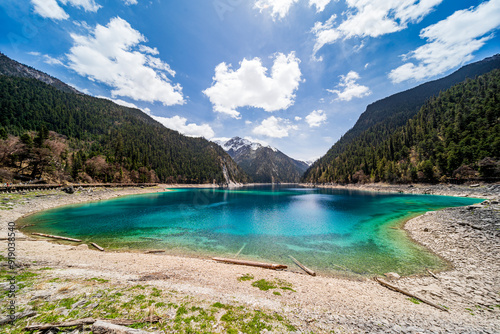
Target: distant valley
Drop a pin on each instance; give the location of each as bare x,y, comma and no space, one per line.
264,164
441,130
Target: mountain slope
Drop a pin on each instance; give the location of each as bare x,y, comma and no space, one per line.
264,164
100,140
386,115
12,68
454,135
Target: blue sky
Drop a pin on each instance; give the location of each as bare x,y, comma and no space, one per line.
295,74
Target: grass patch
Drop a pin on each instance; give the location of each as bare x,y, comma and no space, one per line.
98,280
414,300
264,285
179,313
246,277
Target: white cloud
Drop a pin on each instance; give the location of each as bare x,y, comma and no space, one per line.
178,123
372,18
274,127
147,49
47,59
248,122
87,5
111,55
297,118
278,7
450,42
122,103
350,88
52,61
316,118
320,4
52,10
130,2
49,9
250,86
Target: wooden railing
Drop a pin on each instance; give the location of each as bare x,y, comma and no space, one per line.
31,187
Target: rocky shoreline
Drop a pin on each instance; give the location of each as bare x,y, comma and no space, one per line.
467,237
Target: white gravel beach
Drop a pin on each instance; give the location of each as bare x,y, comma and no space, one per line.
468,238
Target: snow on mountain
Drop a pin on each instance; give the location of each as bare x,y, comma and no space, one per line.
262,162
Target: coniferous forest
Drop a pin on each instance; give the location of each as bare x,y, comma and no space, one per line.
454,136
64,136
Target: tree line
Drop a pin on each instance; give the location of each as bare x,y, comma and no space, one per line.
455,135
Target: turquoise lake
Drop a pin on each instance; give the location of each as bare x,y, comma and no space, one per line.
331,231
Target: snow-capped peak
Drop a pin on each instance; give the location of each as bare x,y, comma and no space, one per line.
236,143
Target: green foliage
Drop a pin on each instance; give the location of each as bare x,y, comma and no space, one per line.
126,139
453,135
246,277
264,285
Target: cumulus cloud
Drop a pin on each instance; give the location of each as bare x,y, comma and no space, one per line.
123,103
316,118
112,55
179,123
274,127
279,8
47,59
130,2
349,87
49,9
372,18
450,42
87,5
251,86
52,10
320,4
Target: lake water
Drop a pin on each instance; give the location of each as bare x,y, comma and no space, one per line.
331,231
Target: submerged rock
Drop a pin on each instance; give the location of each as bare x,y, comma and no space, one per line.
392,276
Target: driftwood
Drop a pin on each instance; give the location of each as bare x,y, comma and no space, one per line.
301,266
79,322
90,321
107,327
154,251
395,288
251,263
242,247
56,237
17,316
431,273
97,246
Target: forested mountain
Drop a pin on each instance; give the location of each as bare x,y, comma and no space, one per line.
454,135
264,164
383,117
12,68
61,135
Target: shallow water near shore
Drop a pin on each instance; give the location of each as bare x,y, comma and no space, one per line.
329,230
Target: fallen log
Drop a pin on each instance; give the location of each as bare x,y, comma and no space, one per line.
251,263
431,273
154,251
242,247
72,323
90,321
56,237
301,266
395,288
97,246
17,316
107,327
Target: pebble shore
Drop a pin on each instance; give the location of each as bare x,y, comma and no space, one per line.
468,238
